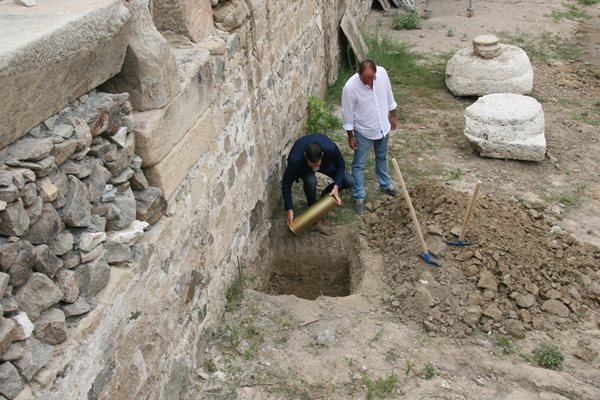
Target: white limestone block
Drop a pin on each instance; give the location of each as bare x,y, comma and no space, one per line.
467,74
507,125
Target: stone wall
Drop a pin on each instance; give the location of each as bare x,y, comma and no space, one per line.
216,150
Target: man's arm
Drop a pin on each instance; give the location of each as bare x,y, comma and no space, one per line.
348,116
392,105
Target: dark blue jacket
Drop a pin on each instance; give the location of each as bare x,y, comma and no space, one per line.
332,164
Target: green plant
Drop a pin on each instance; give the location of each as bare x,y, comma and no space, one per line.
548,356
430,371
455,174
320,116
408,370
588,2
450,32
548,46
380,387
505,344
234,293
571,12
575,197
407,20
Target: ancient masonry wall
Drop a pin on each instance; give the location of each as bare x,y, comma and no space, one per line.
216,105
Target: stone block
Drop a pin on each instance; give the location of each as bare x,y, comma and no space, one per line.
45,228
68,285
149,73
507,126
158,131
11,383
23,326
467,74
7,327
14,220
192,18
46,262
77,210
150,205
34,356
197,142
92,276
50,327
65,49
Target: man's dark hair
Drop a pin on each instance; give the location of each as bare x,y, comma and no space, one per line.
313,152
367,64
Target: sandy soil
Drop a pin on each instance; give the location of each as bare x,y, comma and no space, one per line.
466,330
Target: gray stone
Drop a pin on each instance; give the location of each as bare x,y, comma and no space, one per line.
486,46
60,180
35,356
9,193
97,224
138,181
46,227
21,176
122,177
89,240
532,200
23,326
37,295
34,211
130,234
46,263
231,14
193,19
117,160
120,137
467,74
116,252
68,285
514,328
100,149
9,304
50,327
66,38
63,151
126,204
14,220
71,259
493,312
63,130
555,307
80,169
5,279
92,276
45,167
150,205
11,383
17,259
97,180
507,126
92,255
109,194
525,300
6,178
77,210
128,122
28,194
62,243
149,72
487,280
7,327
82,133
78,308
30,149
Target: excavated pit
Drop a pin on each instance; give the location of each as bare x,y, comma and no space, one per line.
317,263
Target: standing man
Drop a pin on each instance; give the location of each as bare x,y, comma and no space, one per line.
311,153
369,113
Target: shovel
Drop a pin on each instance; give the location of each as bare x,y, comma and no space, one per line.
461,238
425,255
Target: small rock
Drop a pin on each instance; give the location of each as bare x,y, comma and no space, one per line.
116,252
35,356
89,240
14,220
532,200
556,230
3,205
150,205
71,259
50,327
47,226
493,312
122,177
555,307
93,276
4,280
585,352
464,256
46,262
65,131
487,280
7,327
472,315
17,259
125,202
552,294
62,243
92,255
77,210
423,297
97,181
63,151
130,234
514,328
138,181
29,149
9,194
120,137
556,210
82,132
78,308
48,191
23,326
525,301
11,383
6,178
37,295
68,285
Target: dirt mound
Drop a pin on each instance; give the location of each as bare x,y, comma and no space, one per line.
517,277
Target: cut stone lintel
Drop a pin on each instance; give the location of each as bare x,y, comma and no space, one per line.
52,54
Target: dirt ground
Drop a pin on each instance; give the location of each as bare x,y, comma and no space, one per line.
466,330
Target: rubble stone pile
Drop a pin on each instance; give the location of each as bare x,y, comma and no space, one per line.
73,199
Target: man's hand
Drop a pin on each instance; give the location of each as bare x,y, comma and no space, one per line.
336,195
393,119
290,217
352,142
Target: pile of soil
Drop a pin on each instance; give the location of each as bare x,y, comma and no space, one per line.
517,277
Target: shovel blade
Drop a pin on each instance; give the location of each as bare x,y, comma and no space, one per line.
459,243
430,260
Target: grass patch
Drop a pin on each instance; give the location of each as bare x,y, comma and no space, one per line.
406,20
450,32
548,356
430,371
574,198
588,2
455,174
505,344
234,293
570,11
320,116
408,369
380,387
547,46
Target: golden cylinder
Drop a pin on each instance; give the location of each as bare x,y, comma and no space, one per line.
313,214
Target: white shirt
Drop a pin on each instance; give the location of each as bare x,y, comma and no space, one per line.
366,110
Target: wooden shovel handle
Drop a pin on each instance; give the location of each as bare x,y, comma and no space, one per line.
463,231
413,215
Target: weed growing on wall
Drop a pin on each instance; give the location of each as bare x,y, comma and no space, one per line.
320,116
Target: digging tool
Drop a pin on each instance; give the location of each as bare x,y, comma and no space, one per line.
425,255
461,238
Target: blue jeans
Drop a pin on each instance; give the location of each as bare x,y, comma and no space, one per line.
310,184
361,154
